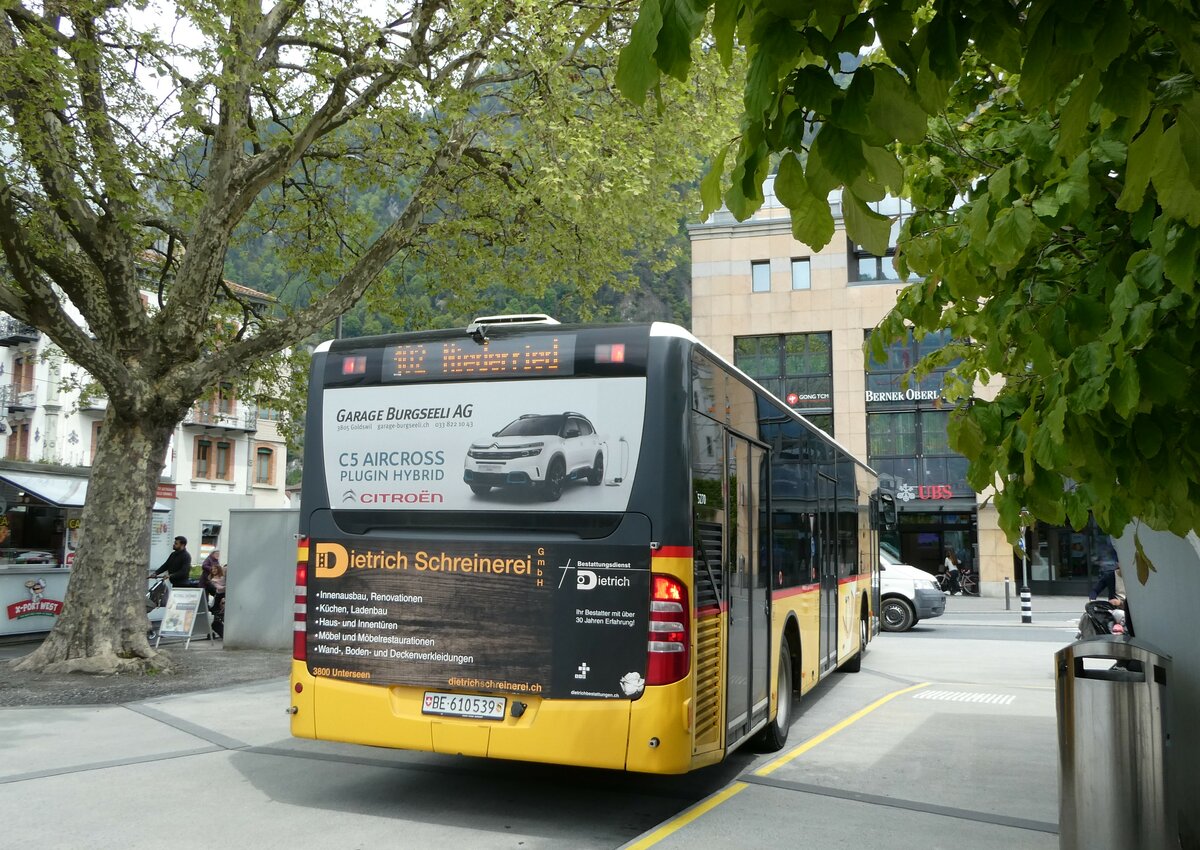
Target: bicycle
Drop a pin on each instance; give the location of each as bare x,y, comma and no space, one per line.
968,582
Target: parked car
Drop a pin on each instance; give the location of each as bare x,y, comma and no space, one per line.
907,595
542,450
35,558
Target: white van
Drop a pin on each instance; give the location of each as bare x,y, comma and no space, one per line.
907,595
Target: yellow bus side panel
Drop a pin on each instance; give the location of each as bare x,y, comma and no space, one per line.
805,607
303,717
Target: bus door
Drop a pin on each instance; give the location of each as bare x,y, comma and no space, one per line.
746,691
826,532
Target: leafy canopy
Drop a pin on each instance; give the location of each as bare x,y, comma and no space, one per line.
1052,153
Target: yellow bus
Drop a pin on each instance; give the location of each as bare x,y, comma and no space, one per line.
596,545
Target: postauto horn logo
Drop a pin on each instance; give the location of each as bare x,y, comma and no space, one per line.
331,560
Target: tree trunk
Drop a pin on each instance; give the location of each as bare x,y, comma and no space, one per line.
103,625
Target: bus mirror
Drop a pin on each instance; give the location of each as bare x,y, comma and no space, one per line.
887,511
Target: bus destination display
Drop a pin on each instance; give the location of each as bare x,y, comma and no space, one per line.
561,620
448,360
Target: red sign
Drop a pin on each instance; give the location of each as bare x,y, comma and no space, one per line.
793,399
165,491
935,491
34,607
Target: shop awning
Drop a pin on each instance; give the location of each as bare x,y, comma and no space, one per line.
64,491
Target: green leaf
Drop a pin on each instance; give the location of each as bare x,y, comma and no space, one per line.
821,181
1076,115
812,219
841,153
681,24
885,167
1143,563
1126,89
636,70
943,45
1010,237
1127,392
1178,195
1188,122
1179,266
814,89
1143,152
865,226
894,107
710,186
724,25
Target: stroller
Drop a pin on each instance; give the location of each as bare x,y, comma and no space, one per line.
1101,617
156,602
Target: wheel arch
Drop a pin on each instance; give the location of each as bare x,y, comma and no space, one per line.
791,634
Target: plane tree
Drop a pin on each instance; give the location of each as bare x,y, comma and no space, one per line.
139,141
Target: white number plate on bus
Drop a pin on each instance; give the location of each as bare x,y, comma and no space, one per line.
463,705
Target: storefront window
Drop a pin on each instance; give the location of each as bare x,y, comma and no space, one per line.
1060,553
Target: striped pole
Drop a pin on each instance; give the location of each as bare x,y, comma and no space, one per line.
1026,604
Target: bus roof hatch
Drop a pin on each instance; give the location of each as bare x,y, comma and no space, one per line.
478,328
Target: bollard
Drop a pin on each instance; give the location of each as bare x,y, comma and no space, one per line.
1007,598
1026,604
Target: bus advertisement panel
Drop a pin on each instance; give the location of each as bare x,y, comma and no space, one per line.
559,620
494,446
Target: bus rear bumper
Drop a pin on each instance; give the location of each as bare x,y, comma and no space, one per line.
613,734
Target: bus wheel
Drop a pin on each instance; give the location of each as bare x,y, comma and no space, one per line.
595,475
774,735
552,487
855,662
481,489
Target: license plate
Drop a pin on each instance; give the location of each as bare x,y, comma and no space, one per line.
463,705
490,466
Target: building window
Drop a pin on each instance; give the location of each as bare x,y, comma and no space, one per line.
97,427
797,368
270,409
264,465
801,274
213,459
866,267
760,277
203,458
225,398
18,441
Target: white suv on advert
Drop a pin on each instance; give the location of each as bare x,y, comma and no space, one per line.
542,450
907,595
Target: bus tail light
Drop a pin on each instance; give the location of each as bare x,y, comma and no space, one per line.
300,616
668,659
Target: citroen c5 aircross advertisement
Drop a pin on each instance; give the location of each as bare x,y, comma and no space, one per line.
559,445
562,620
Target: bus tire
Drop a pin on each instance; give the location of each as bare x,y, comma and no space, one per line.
854,663
556,474
774,735
595,475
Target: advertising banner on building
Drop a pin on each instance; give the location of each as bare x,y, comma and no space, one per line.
556,444
562,620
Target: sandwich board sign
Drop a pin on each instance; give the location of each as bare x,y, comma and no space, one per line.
185,605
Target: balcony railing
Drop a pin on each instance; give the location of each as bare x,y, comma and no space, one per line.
16,397
243,419
13,332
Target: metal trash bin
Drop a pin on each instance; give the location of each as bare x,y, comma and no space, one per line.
1112,745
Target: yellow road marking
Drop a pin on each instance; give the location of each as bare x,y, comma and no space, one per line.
687,817
721,796
833,730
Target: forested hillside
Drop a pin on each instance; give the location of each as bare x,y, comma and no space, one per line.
658,290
